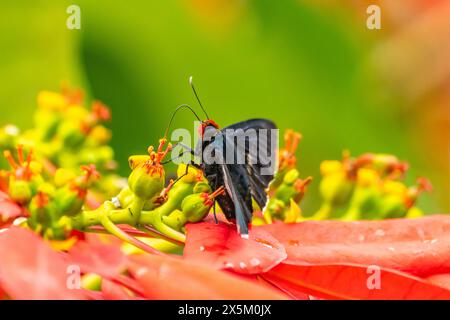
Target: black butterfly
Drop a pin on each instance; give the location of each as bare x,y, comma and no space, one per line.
242,181
243,162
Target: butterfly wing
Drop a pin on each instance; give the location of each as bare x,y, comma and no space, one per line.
259,165
245,180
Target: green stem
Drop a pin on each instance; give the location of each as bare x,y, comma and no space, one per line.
323,213
134,215
352,214
119,233
165,229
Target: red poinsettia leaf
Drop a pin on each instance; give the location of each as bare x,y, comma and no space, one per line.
442,280
30,269
220,246
417,246
105,260
114,291
167,277
102,238
9,210
292,290
353,282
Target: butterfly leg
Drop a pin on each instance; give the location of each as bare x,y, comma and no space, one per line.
186,171
213,181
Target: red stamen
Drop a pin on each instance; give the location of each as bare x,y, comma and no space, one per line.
101,111
423,185
219,191
42,199
90,171
12,162
20,153
300,185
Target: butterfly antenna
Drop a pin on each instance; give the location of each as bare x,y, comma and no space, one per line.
183,106
191,82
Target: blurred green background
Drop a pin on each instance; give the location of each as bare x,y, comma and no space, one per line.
305,65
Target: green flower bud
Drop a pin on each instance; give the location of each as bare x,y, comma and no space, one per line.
291,176
46,122
42,211
147,180
71,134
392,206
202,187
69,200
336,189
148,176
63,176
275,209
20,190
176,220
196,206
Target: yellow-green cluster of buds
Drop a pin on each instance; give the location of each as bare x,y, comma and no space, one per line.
67,135
367,187
287,189
284,201
147,202
194,207
48,200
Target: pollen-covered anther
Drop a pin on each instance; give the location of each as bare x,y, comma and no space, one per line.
153,165
209,198
301,184
21,168
100,111
199,176
287,154
42,199
90,171
71,95
424,184
164,193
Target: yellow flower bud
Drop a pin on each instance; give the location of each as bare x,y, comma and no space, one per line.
51,101
330,166
367,177
63,176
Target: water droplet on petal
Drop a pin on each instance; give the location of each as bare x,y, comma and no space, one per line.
361,238
229,265
264,242
255,262
141,271
420,232
242,265
202,248
294,243
380,232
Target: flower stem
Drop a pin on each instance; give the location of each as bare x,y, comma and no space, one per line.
119,233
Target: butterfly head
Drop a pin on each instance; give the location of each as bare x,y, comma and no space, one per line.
207,123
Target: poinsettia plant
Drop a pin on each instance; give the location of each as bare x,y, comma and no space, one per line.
71,228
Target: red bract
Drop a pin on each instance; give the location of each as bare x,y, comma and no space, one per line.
113,291
9,210
165,277
416,246
105,260
30,269
353,282
221,247
442,280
